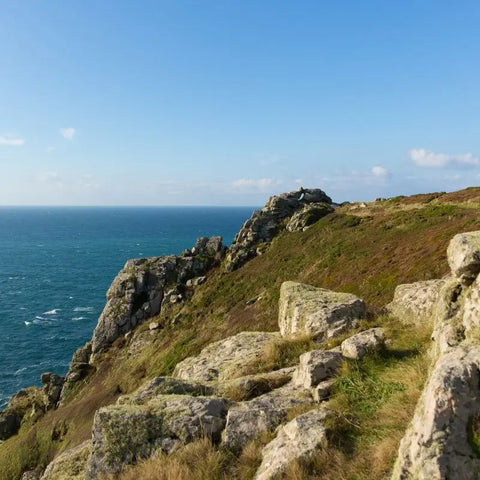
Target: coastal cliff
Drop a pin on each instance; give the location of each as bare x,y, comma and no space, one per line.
326,339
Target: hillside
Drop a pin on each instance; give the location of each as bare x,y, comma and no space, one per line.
365,249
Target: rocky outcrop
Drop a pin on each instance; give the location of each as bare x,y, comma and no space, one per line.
358,345
69,465
299,440
30,403
124,433
320,313
415,303
440,441
308,215
146,285
224,359
268,222
140,291
443,439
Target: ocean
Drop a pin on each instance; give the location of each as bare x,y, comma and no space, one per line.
56,264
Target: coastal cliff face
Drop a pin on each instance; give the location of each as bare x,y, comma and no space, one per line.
260,369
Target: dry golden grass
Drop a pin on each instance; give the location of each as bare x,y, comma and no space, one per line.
279,353
199,460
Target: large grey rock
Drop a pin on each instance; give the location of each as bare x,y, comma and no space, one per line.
224,359
321,313
463,255
247,420
299,440
124,433
416,302
316,366
70,465
438,445
308,215
266,223
358,345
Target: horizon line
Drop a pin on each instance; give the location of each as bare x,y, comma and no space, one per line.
128,206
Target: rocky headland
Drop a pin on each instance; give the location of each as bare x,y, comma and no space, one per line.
324,378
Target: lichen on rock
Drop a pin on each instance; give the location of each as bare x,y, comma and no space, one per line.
320,313
125,433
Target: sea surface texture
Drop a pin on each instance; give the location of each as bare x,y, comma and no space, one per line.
56,265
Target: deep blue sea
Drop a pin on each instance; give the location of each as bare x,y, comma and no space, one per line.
56,264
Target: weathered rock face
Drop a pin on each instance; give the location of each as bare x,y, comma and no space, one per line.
308,215
146,285
358,345
316,366
124,433
266,223
79,369
321,313
52,388
70,465
442,441
224,359
247,420
416,302
463,255
437,444
299,440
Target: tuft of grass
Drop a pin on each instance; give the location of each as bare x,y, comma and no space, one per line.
280,353
199,460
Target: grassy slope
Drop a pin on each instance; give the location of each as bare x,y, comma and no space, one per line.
367,251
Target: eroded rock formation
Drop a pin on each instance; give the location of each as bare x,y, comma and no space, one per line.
264,224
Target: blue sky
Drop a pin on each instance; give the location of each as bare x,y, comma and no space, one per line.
225,102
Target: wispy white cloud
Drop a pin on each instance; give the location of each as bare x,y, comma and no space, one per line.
49,177
88,182
379,171
256,184
426,158
9,141
50,149
67,132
